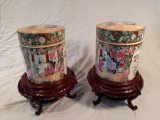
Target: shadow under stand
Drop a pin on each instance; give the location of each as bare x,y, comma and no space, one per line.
38,94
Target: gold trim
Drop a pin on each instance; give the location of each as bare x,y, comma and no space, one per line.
122,44
42,46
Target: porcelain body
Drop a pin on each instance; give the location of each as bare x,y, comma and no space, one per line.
117,50
44,53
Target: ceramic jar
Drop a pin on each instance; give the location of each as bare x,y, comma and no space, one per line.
43,49
118,45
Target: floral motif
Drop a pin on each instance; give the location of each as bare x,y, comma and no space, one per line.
60,49
30,74
121,57
24,52
135,58
49,70
133,36
126,73
130,50
41,38
115,36
42,51
118,36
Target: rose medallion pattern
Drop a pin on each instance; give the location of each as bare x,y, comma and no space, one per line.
117,63
44,53
117,50
119,32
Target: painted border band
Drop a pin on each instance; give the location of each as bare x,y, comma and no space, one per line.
120,44
42,46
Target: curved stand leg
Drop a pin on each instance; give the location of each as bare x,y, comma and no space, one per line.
133,107
98,100
70,96
36,105
38,112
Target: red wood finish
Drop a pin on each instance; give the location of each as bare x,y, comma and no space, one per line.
42,93
115,90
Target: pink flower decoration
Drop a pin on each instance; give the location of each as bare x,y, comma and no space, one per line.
52,55
30,73
36,39
60,49
130,50
100,64
126,73
129,59
110,47
57,66
62,69
36,75
49,70
42,51
121,55
113,55
53,39
24,51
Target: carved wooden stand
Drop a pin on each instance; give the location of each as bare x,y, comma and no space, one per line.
113,90
38,94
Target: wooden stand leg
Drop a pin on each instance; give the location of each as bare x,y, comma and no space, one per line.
71,96
36,105
133,107
98,100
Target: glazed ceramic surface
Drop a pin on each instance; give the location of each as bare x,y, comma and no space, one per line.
118,61
43,50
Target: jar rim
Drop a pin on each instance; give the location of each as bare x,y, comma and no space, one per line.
120,26
40,29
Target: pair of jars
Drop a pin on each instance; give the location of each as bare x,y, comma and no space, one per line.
117,51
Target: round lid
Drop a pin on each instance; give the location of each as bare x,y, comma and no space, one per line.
41,34
120,32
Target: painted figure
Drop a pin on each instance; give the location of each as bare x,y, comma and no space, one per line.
62,69
113,55
53,63
57,66
49,70
30,74
35,69
126,73
100,64
51,55
121,59
112,64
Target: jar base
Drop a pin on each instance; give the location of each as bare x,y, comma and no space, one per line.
39,94
128,90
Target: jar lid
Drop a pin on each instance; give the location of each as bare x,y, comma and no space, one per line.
41,35
120,32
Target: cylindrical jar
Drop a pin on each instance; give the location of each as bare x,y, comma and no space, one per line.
118,45
44,52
